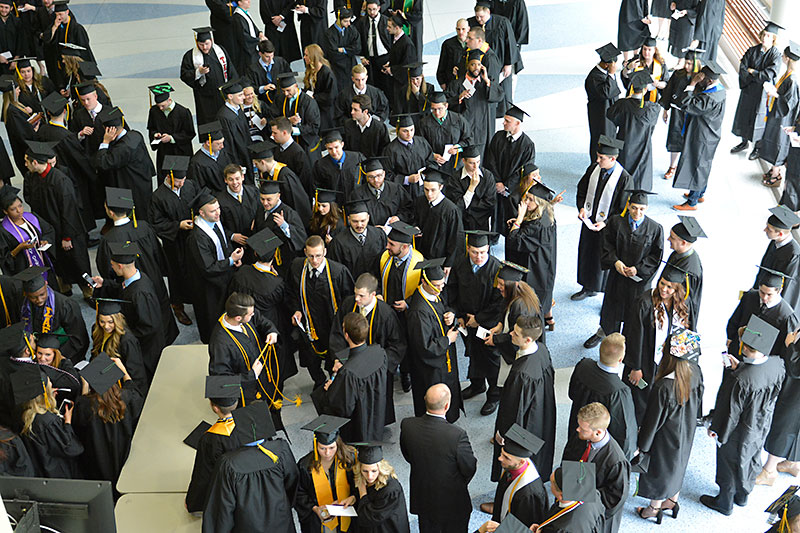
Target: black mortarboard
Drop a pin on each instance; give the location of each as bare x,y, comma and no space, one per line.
22,62
372,164
203,34
793,51
517,113
691,53
51,341
639,196
414,69
210,129
773,27
511,524
109,306
402,232
224,391
641,463
520,442
771,278
232,87
608,53
40,151
31,278
689,229
479,237
326,428
85,87
356,206
403,120
437,97
759,335
54,103
434,175
512,271
8,82
326,195
28,382
432,268
204,197
124,253
476,54
398,20
787,499
176,165
712,70
287,79
264,243
541,190
673,273
527,168
640,79
161,91
71,50
253,422
578,481
783,218
650,41
331,135
342,13
117,198
89,69
111,117
193,439
60,5
684,344
484,3
270,186
102,373
8,195
609,145
262,150
369,453
13,340
470,152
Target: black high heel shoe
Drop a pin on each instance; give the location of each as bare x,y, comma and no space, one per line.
659,513
675,507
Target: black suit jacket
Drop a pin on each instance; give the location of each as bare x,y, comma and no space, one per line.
362,25
442,465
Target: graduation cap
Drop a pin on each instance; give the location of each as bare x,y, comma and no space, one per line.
120,199
431,268
673,273
578,481
433,175
517,113
354,207
759,335
691,53
689,229
773,27
28,382
474,55
326,195
712,70
520,442
203,34
109,306
7,82
160,92
402,232
684,344
403,120
102,373
14,340
193,439
270,186
262,150
51,341
640,79
437,97
783,218
484,3
211,131
771,278
784,500
792,51
60,5
609,145
527,168
54,104
641,463
470,152
86,87
414,69
608,53
372,164
650,42
326,429
264,243
253,422
511,271
539,189
369,453
8,195
639,196
232,87
176,166
111,117
331,135
342,13
478,237
72,50
39,151
287,79
31,278
124,253
204,197
89,69
511,524
223,391
22,62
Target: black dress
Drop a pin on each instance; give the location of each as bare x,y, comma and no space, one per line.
383,510
53,447
681,31
533,245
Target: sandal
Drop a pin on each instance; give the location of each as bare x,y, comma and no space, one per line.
771,181
675,507
550,323
658,513
670,173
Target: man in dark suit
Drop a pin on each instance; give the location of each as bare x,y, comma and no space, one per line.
442,465
375,44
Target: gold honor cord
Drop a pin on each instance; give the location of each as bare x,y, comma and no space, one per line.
439,320
371,319
311,330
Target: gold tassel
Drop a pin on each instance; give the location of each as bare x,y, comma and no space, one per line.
133,215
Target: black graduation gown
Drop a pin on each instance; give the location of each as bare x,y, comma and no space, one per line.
328,175
19,130
666,435
440,226
780,316
238,217
15,458
516,12
783,439
292,246
454,129
358,259
632,32
671,94
246,42
286,44
11,39
371,142
642,249
53,447
384,510
791,194
347,39
11,290
67,315
533,245
259,76
297,159
167,210
359,393
602,91
431,356
207,98
529,504
500,38
586,518
742,415
529,399
312,24
325,90
126,164
307,497
785,259
380,104
180,126
251,493
766,66
417,103
209,278
309,112
482,206
449,56
221,19
705,111
590,383
504,158
107,445
405,160
237,136
690,262
207,171
64,379
213,444
708,30
394,201
681,31
8,241
402,52
774,145
636,125
130,352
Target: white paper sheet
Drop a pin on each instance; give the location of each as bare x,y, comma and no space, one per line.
588,223
482,333
340,510
446,154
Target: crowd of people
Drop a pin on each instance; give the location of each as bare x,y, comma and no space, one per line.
342,220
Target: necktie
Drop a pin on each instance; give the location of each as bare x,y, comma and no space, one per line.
363,311
269,73
585,456
239,197
432,206
509,138
475,268
397,262
374,41
762,309
377,194
220,236
362,238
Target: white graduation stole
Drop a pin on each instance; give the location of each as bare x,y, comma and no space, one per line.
604,206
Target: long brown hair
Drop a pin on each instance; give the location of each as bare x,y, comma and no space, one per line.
520,290
111,347
108,406
683,375
676,303
345,456
38,406
423,87
322,224
36,82
316,58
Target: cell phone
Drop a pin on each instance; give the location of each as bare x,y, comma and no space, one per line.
63,403
726,360
88,279
642,384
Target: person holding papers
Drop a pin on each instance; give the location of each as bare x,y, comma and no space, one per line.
381,503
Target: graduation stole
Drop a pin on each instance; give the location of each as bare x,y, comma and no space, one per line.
47,320
528,475
322,489
374,312
771,100
261,269
304,300
441,327
246,358
568,509
483,48
5,307
35,258
223,427
251,29
658,72
296,102
410,277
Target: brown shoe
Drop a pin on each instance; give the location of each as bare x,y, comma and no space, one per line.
699,200
684,207
670,173
789,467
766,478
180,314
487,507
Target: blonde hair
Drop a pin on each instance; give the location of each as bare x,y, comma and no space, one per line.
611,348
423,86
596,415
542,207
10,99
385,471
256,103
38,406
111,347
316,58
